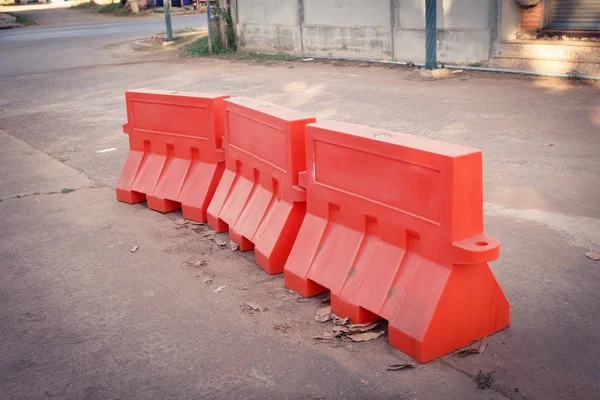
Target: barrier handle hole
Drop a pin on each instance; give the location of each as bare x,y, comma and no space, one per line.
481,244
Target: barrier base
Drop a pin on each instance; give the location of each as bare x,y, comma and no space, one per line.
256,219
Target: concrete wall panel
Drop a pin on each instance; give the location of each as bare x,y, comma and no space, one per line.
453,46
451,14
348,42
268,12
347,12
270,38
359,29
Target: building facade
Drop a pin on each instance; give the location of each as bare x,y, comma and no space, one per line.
479,32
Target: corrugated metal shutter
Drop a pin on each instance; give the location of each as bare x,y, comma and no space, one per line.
574,14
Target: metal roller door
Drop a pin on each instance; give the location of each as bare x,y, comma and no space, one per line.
574,14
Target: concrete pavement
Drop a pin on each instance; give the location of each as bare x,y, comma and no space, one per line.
83,317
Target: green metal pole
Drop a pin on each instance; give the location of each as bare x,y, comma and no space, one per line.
430,34
167,4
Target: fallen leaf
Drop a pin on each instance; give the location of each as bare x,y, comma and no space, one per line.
593,255
207,280
365,336
209,235
476,348
340,321
549,144
195,263
323,314
326,299
196,223
284,328
359,328
341,329
248,306
326,336
219,289
398,367
364,382
221,238
233,245
181,221
195,227
134,249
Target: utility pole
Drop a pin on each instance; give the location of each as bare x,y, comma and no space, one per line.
209,33
167,5
430,34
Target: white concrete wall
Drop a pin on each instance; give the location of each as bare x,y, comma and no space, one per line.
510,20
347,28
463,35
375,29
269,25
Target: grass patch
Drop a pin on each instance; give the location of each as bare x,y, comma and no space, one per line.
21,19
67,190
85,6
485,380
199,48
113,9
110,9
575,76
262,57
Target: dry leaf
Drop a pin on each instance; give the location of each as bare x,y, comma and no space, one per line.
221,238
134,249
248,306
233,245
476,348
358,328
340,321
209,235
207,280
326,299
195,263
593,255
398,367
365,336
219,289
181,221
341,329
364,382
323,314
326,336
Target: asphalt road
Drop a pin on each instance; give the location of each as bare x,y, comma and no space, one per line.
81,316
45,49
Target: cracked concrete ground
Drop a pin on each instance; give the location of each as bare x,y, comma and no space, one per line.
81,316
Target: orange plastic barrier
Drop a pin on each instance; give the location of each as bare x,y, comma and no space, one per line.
394,228
176,157
258,198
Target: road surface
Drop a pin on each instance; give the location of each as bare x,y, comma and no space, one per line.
82,317
44,49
